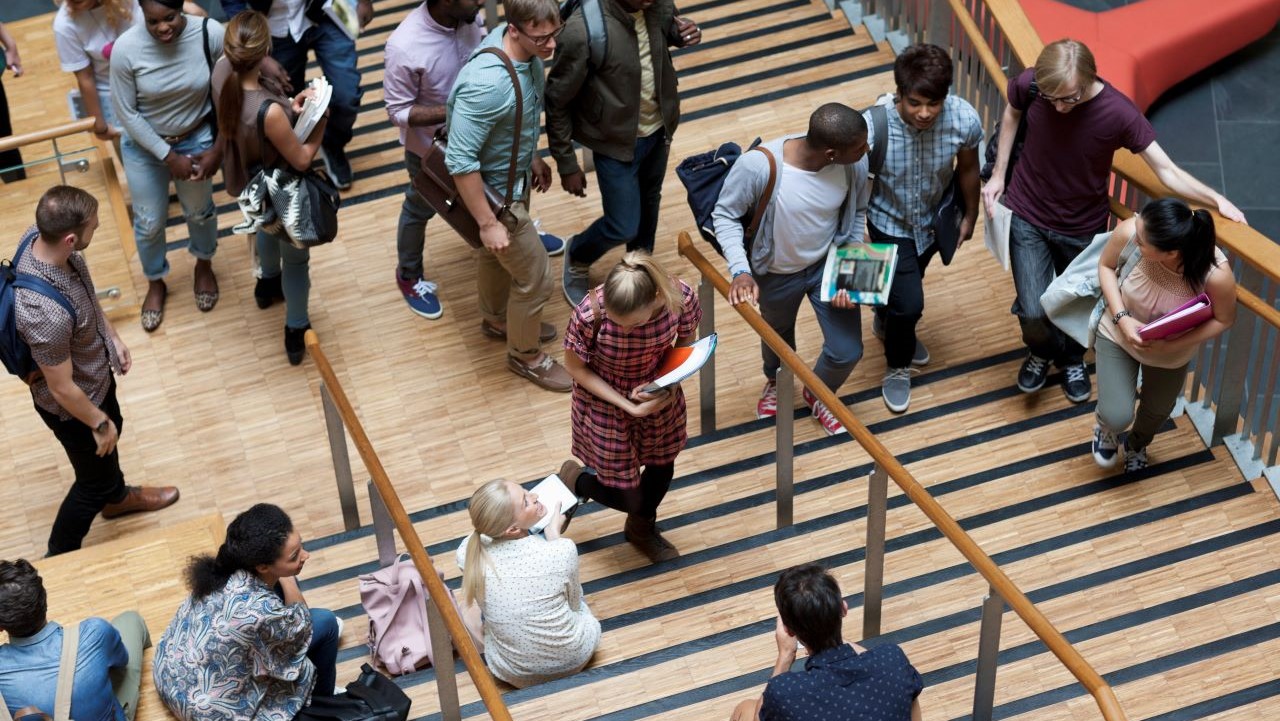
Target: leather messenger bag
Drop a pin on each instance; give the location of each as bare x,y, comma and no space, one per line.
436,185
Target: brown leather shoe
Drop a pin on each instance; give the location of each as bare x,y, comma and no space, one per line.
546,374
142,499
644,535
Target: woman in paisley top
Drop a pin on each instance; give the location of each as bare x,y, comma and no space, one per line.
245,645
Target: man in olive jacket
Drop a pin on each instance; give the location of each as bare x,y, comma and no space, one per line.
625,111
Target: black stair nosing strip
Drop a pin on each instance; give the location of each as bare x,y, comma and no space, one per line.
1090,631
912,584
719,434
738,466
1220,704
754,678
1139,671
385,124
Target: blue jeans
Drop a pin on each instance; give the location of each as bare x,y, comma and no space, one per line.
278,257
149,185
323,650
1037,255
411,234
780,297
630,194
336,54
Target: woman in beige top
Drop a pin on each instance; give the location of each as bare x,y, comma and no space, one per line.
532,615
1179,261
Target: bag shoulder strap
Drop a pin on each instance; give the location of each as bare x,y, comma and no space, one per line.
879,125
262,131
35,283
763,203
515,141
597,35
66,672
208,56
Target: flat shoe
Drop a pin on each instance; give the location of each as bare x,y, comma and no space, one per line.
546,332
152,318
548,375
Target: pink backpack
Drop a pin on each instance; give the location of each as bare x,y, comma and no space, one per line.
396,602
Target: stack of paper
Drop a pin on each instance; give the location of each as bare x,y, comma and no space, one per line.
314,107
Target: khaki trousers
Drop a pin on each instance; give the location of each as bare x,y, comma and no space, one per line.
514,286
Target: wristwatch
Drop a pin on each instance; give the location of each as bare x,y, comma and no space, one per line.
741,272
102,427
1122,314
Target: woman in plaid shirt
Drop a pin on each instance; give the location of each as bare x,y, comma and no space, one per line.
615,342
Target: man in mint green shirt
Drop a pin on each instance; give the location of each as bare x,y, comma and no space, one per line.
513,274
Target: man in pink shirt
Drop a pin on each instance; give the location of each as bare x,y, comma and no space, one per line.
423,57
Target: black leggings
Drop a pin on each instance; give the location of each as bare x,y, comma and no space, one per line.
640,501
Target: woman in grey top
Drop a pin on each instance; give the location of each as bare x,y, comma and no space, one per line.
160,92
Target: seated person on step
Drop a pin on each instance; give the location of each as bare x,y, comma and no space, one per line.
839,680
245,645
108,655
522,590
820,197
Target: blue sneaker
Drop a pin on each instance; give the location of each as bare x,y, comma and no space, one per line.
420,294
553,243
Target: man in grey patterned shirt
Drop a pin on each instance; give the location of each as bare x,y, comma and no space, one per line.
74,390
933,136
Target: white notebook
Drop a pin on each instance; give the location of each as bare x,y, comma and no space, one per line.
550,491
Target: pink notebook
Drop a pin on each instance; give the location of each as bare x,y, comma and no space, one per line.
1179,320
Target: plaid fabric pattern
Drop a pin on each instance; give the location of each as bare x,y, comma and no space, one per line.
918,166
47,328
605,437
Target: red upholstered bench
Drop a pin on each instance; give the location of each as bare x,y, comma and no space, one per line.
1148,47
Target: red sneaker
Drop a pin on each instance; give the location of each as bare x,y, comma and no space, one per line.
767,406
823,415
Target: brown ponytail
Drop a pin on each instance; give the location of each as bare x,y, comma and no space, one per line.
246,42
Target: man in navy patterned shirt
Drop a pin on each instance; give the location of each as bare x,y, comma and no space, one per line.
840,680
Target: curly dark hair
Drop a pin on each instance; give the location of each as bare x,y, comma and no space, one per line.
808,601
254,538
23,602
923,70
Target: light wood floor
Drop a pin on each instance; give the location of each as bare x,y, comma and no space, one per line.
1166,581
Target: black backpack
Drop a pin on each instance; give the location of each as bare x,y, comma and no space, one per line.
593,16
1020,136
15,354
703,176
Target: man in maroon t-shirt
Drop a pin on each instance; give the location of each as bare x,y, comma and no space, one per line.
1058,193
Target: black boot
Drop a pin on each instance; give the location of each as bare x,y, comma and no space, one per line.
267,291
644,535
294,344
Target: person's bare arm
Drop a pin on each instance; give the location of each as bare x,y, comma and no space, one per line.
74,401
11,57
426,115
298,154
1185,185
994,188
292,593
967,167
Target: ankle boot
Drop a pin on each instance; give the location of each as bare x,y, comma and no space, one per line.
294,344
267,291
644,535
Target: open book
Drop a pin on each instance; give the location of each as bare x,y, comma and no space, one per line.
1179,320
681,362
863,270
313,109
550,491
343,14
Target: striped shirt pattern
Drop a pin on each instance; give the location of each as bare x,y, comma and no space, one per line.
918,166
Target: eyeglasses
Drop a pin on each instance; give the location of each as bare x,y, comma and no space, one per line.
1066,99
542,40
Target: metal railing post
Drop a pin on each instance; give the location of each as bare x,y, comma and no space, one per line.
384,529
491,14
873,568
707,374
784,455
984,683
341,461
442,659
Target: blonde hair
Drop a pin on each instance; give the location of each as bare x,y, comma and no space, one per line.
1063,62
119,13
636,281
491,513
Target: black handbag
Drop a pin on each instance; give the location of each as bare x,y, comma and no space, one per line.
371,697
946,220
306,203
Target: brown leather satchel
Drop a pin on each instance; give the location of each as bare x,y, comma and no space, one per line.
436,186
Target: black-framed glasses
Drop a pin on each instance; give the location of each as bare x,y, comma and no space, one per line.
542,40
1066,99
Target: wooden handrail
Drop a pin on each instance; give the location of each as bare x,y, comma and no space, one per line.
485,685
57,131
981,562
1248,244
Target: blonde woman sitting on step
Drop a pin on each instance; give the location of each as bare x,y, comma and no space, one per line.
522,591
